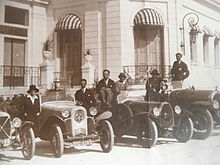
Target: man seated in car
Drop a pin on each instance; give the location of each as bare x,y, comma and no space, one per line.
106,89
85,95
153,87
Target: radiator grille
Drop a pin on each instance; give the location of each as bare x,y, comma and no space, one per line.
166,116
5,127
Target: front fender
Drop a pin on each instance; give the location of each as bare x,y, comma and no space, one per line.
103,116
44,127
203,104
26,124
185,112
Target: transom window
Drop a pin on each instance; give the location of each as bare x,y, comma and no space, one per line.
16,15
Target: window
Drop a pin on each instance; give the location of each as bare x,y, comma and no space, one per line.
14,61
206,49
193,47
16,15
217,51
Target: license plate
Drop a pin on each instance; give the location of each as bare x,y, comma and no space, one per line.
83,143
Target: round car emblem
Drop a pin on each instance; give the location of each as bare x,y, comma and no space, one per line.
78,117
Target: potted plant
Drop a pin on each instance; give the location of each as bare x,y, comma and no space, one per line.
47,46
88,55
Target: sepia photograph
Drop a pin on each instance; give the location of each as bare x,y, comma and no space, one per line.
106,82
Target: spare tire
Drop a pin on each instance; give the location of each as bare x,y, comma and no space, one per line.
121,119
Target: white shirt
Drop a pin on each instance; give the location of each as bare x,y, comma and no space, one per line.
32,98
83,89
106,82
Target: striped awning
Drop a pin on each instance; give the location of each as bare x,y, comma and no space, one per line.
217,34
148,16
207,31
69,21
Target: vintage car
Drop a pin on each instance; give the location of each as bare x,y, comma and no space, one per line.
67,124
204,106
149,120
16,135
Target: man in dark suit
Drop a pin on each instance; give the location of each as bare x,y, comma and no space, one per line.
85,96
31,105
179,71
153,86
106,88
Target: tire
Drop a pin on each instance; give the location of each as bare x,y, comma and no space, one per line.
121,119
106,136
56,139
147,133
203,124
28,140
184,131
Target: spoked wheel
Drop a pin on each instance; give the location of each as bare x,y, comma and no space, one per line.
106,136
184,131
203,124
121,119
28,140
147,133
56,139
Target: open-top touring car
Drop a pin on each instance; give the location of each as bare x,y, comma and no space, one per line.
67,124
16,135
149,120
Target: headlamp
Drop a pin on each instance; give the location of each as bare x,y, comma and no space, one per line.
215,104
177,109
156,111
65,113
93,111
16,122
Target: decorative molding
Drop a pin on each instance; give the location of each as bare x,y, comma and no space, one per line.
42,3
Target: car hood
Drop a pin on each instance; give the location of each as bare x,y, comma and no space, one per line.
187,96
60,105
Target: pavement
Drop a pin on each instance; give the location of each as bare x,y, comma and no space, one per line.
126,151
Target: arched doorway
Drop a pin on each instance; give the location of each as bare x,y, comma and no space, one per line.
69,36
148,40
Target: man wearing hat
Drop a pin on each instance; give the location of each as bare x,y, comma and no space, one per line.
153,86
121,84
179,71
32,105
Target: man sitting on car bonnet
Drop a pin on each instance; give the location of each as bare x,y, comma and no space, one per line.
106,88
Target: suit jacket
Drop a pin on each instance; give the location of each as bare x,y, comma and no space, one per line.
153,84
31,109
87,98
102,83
179,71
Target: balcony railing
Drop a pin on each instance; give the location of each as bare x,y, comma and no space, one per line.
62,79
14,76
139,73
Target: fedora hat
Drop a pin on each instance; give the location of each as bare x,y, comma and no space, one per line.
32,88
154,72
122,75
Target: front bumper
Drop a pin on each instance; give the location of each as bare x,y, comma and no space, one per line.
82,140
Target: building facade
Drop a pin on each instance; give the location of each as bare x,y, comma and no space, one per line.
135,36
